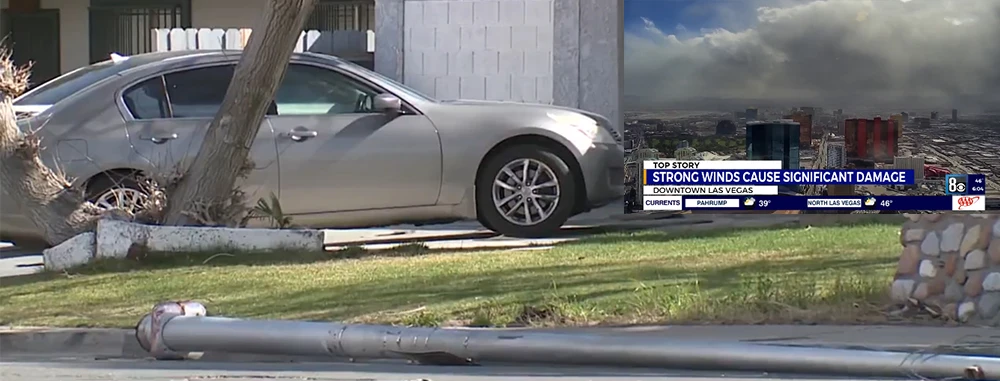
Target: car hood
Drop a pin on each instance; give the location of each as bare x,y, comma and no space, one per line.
505,106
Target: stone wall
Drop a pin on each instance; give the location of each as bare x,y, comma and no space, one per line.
951,262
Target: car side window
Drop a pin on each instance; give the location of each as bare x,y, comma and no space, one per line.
147,100
311,90
198,93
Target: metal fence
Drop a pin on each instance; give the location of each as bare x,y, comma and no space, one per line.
128,30
342,15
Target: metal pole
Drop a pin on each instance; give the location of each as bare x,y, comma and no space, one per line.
176,333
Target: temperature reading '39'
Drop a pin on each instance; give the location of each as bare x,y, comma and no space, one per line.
955,186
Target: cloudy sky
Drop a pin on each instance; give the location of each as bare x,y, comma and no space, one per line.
829,53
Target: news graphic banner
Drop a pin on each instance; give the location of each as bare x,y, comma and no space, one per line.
776,203
684,189
960,185
685,178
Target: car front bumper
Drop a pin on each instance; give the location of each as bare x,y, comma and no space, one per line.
603,167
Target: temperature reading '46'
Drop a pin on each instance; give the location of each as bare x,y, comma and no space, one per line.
885,203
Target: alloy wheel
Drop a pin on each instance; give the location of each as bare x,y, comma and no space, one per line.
526,192
126,199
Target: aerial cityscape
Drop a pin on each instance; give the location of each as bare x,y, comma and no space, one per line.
845,83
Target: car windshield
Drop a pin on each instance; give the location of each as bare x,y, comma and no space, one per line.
399,86
51,92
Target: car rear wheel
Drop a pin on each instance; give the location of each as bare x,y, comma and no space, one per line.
117,190
525,191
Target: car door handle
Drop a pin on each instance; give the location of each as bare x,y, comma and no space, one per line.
300,134
160,138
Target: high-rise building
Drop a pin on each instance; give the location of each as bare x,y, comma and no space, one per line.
871,139
906,116
725,127
915,163
899,124
934,115
836,155
777,140
805,121
751,114
954,115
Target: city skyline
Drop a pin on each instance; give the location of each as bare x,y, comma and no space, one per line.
721,54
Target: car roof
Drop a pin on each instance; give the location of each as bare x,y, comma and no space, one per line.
144,59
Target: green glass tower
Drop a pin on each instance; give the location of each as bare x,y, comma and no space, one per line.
775,140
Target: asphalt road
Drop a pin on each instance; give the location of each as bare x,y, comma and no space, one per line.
139,370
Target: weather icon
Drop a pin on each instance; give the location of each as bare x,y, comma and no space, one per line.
870,201
749,202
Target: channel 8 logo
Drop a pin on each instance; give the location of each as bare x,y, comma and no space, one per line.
956,184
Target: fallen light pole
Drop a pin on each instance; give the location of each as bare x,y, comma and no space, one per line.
174,329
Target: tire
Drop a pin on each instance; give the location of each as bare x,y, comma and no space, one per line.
559,206
106,182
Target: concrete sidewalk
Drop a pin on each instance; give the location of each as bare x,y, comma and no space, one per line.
121,343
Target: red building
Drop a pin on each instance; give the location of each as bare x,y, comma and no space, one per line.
871,139
805,128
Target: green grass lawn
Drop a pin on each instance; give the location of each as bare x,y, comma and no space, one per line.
808,275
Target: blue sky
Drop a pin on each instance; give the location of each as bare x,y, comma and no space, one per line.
692,14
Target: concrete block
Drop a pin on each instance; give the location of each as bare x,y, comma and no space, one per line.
522,89
473,37
460,63
485,63
524,38
544,38
75,251
115,238
538,63
511,12
422,83
511,62
448,38
498,37
435,13
413,66
420,38
538,13
435,63
180,238
446,87
486,12
473,87
460,13
543,86
498,87
413,13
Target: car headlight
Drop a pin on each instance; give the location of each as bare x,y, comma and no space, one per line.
586,125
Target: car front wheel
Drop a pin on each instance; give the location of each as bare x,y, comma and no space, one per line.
525,191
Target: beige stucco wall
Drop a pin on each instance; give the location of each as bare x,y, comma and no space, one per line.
74,20
73,31
225,13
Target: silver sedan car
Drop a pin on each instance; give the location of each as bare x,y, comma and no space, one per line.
341,146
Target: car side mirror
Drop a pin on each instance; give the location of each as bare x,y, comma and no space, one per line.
387,103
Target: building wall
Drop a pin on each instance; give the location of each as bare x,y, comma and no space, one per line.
225,13
479,49
74,31
571,50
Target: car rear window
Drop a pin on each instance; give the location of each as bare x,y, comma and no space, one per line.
51,92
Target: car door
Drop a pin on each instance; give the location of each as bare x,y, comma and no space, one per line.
170,115
336,154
